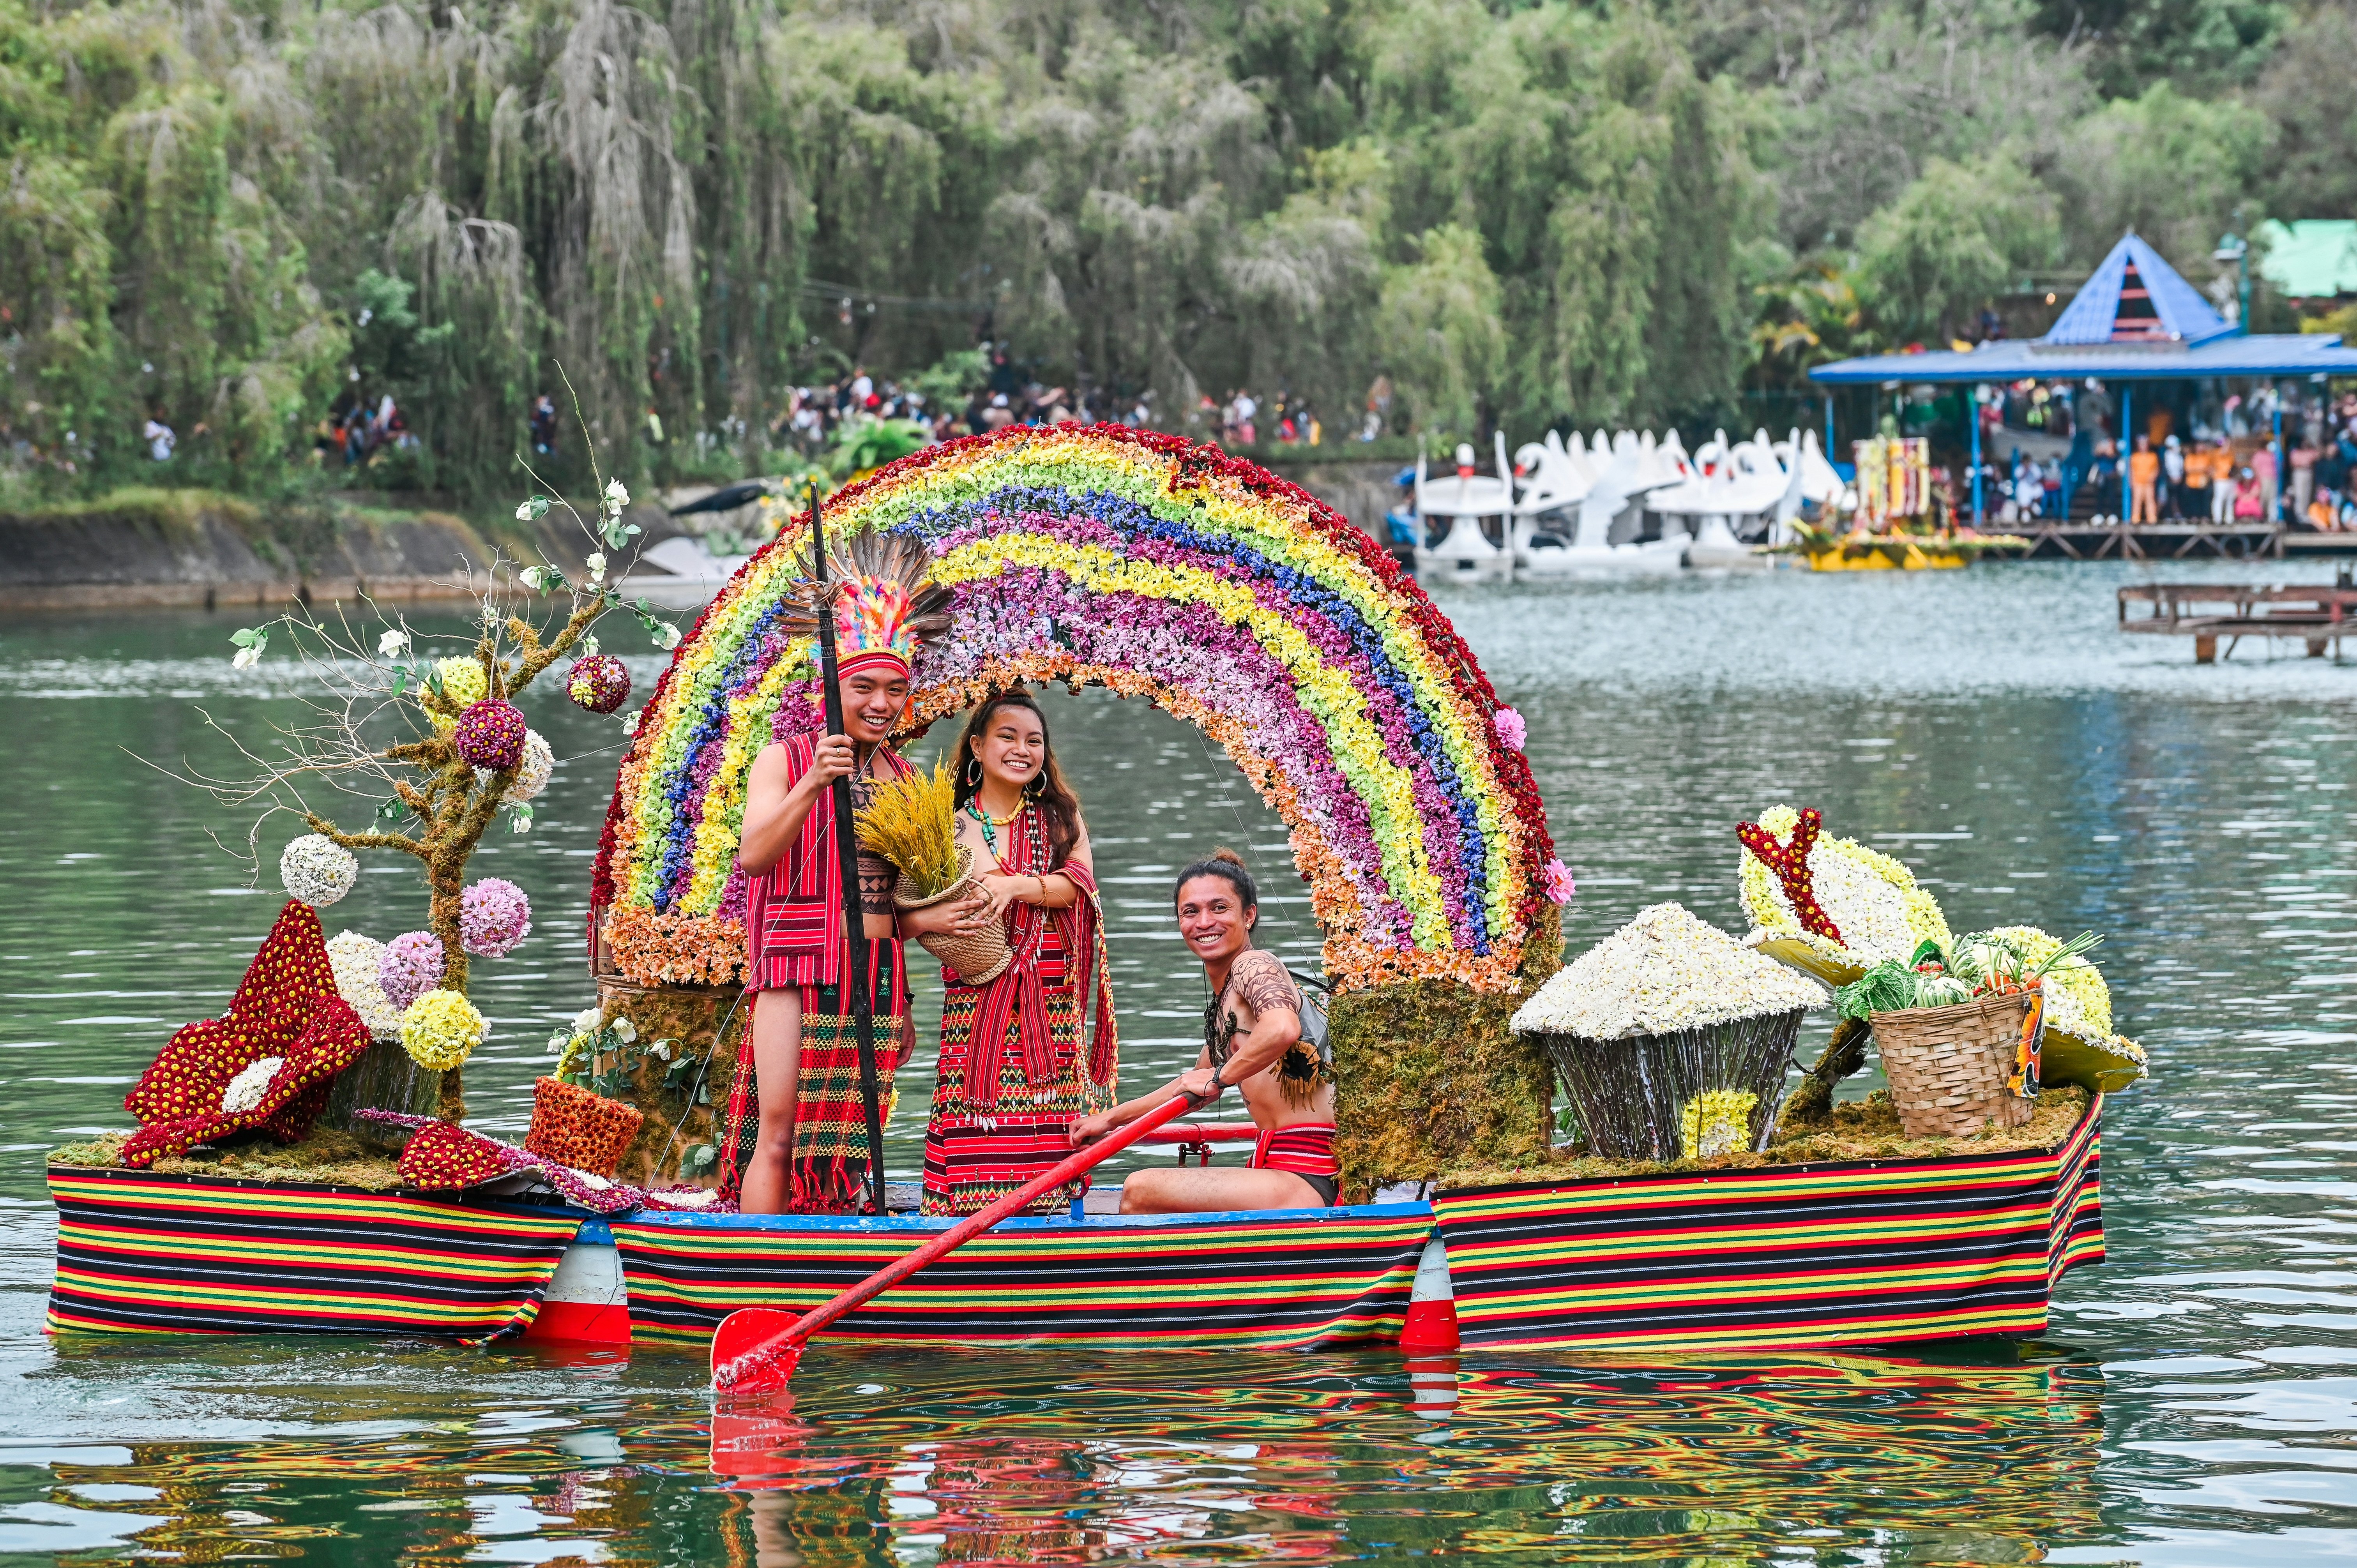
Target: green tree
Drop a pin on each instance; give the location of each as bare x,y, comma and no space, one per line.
1952,241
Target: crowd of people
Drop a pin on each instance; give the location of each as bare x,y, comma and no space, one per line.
2225,472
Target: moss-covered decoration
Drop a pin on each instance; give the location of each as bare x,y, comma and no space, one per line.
682,1107
1429,1073
335,1158
1860,1130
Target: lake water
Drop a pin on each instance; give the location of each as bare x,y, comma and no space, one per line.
2194,1401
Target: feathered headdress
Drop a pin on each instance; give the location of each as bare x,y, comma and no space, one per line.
886,602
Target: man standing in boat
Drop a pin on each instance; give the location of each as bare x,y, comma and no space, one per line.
795,1133
1252,1041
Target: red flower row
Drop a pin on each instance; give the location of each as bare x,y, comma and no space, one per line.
1790,862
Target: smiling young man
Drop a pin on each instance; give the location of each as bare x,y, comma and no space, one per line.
1252,1042
794,1137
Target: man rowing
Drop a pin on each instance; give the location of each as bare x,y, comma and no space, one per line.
1253,1043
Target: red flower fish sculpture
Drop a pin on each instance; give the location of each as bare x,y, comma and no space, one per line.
208,1080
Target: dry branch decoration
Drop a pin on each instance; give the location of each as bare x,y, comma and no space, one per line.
378,721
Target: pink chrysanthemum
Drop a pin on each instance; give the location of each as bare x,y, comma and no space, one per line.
491,735
1512,730
1554,881
493,917
411,967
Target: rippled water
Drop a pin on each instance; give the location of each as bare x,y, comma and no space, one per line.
2193,1403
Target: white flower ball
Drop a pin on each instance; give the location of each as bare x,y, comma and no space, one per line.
355,960
533,773
318,870
245,1091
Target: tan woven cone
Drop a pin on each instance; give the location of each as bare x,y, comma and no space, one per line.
975,956
1947,1066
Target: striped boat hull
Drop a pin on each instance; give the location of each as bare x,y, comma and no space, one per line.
140,1252
1293,1278
1873,1253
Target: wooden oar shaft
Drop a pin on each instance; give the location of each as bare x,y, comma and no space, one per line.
1077,1163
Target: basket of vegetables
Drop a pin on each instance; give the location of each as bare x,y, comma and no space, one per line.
1673,1037
1959,1029
912,822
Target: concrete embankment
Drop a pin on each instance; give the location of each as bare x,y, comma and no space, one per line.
137,547
141,547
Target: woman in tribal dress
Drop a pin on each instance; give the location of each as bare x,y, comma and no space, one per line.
1015,1071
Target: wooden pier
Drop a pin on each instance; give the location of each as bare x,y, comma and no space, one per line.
2091,540
2318,617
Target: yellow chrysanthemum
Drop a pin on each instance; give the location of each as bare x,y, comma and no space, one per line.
2077,999
1873,899
1716,1121
442,1029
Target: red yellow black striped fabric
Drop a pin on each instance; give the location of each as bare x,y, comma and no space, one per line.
1293,1278
144,1253
1840,1254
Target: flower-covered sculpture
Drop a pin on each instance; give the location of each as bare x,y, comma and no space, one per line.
491,735
441,1029
600,684
318,870
441,1156
411,965
359,963
1155,568
208,1080
461,683
493,917
533,773
1830,907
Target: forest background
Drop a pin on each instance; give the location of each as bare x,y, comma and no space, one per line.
223,213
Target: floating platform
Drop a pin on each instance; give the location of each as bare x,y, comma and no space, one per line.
2318,617
1861,1252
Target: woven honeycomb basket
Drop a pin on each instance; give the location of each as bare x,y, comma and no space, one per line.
575,1127
977,958
1947,1066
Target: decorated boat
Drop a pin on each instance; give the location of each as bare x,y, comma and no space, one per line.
302,1164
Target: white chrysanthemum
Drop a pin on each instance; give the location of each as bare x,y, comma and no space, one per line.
533,773
1662,972
356,960
246,1089
318,870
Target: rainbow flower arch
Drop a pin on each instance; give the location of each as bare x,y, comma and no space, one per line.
1102,555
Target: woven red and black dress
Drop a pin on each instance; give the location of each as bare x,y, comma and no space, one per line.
1015,1075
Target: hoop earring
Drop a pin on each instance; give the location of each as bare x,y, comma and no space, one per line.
973,771
1037,790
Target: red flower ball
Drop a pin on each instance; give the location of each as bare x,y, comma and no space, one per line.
599,682
491,735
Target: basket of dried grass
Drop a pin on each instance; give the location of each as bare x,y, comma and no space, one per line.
911,822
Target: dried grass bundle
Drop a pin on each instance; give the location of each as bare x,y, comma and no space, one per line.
911,822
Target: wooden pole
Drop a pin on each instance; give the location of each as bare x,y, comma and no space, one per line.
847,847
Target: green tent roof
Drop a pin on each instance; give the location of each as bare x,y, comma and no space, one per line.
2310,258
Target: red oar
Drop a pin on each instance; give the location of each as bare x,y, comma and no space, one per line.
756,1348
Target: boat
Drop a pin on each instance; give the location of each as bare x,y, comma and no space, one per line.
1176,573
1620,476
1462,521
1870,1252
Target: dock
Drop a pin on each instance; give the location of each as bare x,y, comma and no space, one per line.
2086,540
2319,617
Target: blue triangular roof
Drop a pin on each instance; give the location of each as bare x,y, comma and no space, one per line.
2136,297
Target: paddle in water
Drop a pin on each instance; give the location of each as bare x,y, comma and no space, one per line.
756,1348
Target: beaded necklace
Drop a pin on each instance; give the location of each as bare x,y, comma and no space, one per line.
989,822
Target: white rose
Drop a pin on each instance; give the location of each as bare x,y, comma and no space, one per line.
393,644
586,1022
625,1031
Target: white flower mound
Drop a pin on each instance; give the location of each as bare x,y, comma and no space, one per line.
318,870
356,959
1662,972
246,1089
1869,912
533,773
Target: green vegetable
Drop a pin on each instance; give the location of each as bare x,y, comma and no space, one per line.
1888,987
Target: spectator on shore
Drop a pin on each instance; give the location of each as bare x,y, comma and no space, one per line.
2303,476
2263,464
2331,482
2172,468
998,415
159,438
543,425
2144,479
2249,500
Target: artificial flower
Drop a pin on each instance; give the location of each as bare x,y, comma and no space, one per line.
617,498
393,644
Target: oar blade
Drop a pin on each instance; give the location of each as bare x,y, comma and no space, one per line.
751,1353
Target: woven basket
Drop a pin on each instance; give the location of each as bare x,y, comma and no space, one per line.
1632,1094
575,1127
1947,1066
975,956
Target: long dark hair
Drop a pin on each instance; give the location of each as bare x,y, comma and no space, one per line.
1058,805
